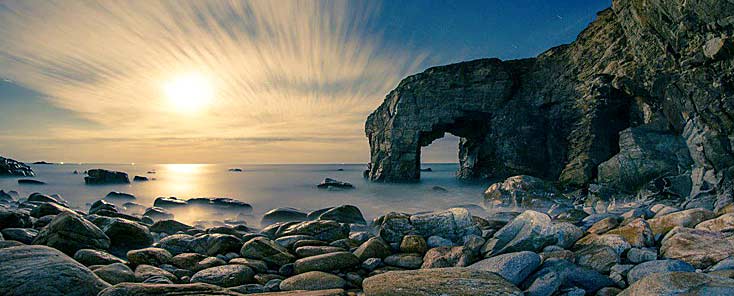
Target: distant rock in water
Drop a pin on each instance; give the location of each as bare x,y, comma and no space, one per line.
235,170
339,170
439,189
43,162
215,203
329,183
75,172
30,182
119,195
427,170
169,202
10,167
100,176
140,179
283,215
150,172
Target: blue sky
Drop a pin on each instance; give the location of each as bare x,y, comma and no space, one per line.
289,83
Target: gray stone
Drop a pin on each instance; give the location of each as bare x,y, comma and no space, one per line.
324,230
146,289
448,257
413,244
435,241
40,270
225,275
393,226
439,281
282,215
115,273
599,258
23,235
101,177
307,251
530,231
70,233
700,248
656,266
556,273
90,257
344,214
149,256
169,226
326,262
312,280
452,224
680,283
374,247
514,267
637,255
264,249
404,260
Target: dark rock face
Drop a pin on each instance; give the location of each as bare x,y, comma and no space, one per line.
40,270
69,233
657,71
100,177
10,167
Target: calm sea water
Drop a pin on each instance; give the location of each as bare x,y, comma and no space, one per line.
263,186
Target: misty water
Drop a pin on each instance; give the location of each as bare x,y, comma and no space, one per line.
263,186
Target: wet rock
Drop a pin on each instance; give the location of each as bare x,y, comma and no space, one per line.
282,215
723,223
100,177
10,167
440,281
224,276
637,233
169,202
208,262
157,213
14,219
186,260
686,218
290,240
169,226
435,241
525,192
344,214
680,283
324,230
258,266
70,233
637,255
41,198
644,269
413,244
6,196
222,204
530,231
178,244
599,258
30,182
145,272
23,235
40,270
514,267
115,195
264,249
604,225
222,244
393,226
124,235
149,256
313,280
326,262
452,224
558,273
140,179
47,208
700,248
332,184
307,251
115,273
142,289
90,257
374,247
447,257
101,205
371,263
405,260
566,234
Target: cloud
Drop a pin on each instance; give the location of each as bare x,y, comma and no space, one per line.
280,69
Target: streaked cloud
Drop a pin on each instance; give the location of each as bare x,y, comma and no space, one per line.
283,71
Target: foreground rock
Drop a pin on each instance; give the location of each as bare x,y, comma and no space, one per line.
440,281
139,289
10,167
40,270
224,276
680,283
69,233
313,280
101,177
514,267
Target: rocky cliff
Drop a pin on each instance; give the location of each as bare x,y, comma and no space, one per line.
643,98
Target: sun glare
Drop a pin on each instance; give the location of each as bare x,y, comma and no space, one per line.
189,93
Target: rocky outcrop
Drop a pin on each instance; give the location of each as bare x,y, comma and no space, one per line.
644,96
101,177
10,167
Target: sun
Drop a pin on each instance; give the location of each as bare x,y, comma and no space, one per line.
189,93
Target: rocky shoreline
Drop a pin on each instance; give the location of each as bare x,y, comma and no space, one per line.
555,249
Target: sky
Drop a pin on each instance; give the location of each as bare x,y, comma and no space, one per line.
149,81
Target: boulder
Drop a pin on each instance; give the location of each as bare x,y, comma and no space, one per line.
404,260
604,225
554,274
258,266
222,204
169,202
169,226
150,273
637,233
15,219
393,226
514,267
324,230
680,283
90,257
70,232
149,256
452,224
530,231
282,215
599,258
307,251
312,280
157,213
638,255
48,208
114,195
186,260
448,257
614,241
179,243
145,289
140,179
267,250
700,248
331,184
41,198
101,205
413,244
439,281
374,247
222,244
30,182
23,235
101,177
125,235
723,223
326,262
115,273
10,167
344,214
686,218
225,275
40,270
656,266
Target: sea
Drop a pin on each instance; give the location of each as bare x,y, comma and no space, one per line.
265,187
